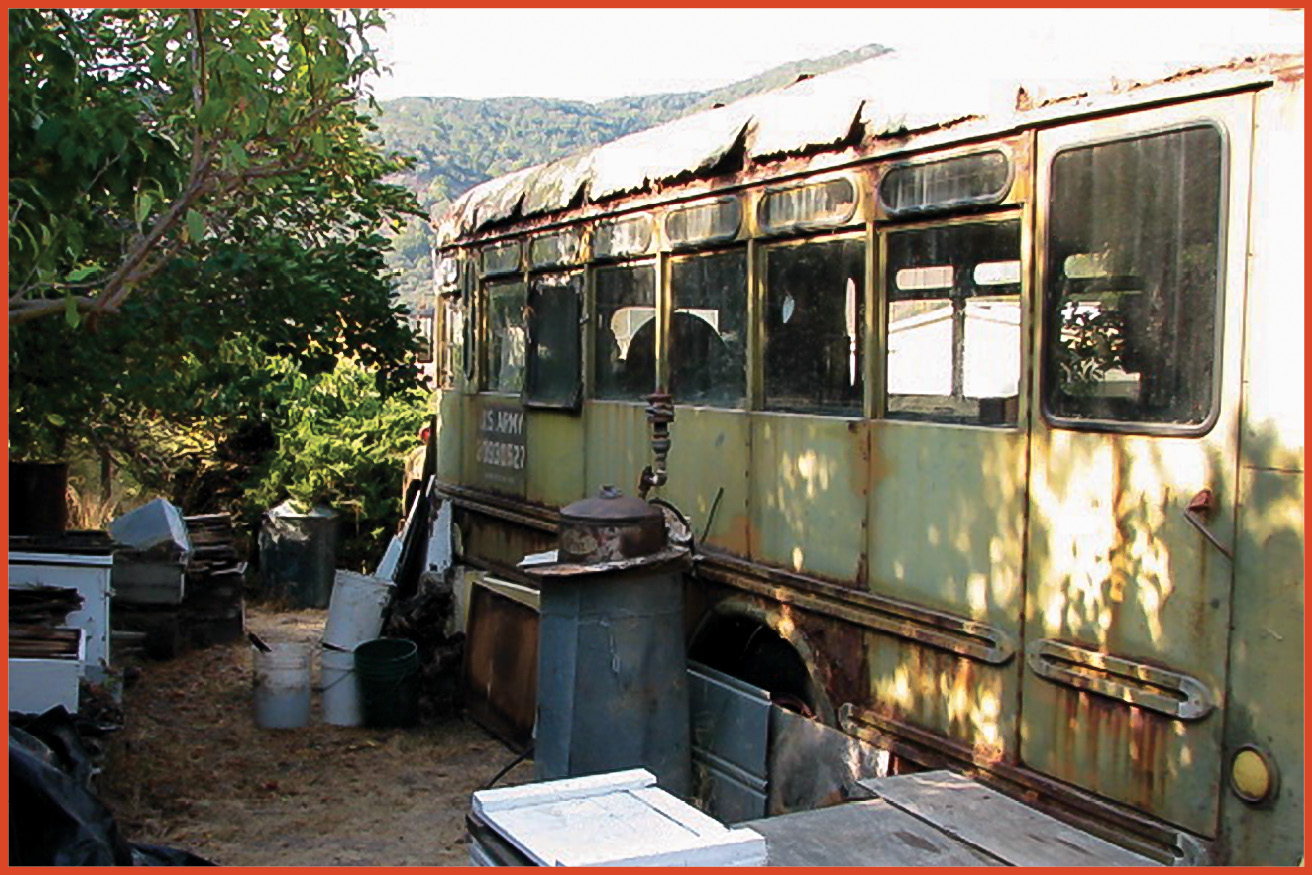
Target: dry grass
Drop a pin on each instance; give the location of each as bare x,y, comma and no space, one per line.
192,770
88,510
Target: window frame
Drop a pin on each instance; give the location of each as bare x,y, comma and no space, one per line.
1041,359
759,403
999,214
485,332
575,401
750,314
592,314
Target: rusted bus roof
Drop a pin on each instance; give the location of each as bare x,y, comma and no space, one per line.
555,186
806,115
892,95
684,146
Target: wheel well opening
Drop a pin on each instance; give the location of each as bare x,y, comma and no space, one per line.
748,649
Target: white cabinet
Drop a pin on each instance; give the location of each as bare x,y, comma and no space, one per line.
90,576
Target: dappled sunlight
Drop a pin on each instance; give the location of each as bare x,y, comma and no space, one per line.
808,494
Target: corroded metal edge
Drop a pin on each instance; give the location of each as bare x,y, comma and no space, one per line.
1127,827
944,631
1136,683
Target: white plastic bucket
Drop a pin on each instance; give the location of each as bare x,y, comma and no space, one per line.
341,692
282,686
355,611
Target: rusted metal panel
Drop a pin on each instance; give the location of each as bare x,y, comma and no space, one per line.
808,485
1275,388
947,518
972,702
499,543
1267,654
708,475
501,668
1264,701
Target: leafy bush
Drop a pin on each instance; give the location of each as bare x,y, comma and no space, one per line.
340,442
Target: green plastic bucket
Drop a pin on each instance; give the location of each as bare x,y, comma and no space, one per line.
387,670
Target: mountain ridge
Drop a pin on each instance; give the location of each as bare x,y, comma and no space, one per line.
456,143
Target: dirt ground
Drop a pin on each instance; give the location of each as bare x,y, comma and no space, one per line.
192,770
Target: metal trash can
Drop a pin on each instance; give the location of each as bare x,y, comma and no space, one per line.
612,688
298,554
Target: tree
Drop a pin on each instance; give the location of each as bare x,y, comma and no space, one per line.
199,193
135,134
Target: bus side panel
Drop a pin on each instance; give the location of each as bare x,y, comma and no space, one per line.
616,445
708,474
554,476
947,519
1266,651
809,484
450,436
961,698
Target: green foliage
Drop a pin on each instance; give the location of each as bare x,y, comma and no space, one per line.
137,134
198,193
1090,342
339,440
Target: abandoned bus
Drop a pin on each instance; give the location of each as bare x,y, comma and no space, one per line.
988,416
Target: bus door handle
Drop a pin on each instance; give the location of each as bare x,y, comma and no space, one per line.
1197,514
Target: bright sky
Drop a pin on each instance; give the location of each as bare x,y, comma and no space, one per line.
593,54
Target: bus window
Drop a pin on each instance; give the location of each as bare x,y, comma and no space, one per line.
954,323
814,327
625,351
1133,280
553,340
451,345
708,342
505,336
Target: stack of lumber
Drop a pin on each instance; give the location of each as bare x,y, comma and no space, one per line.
213,608
42,606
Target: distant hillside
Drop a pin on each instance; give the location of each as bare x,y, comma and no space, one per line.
459,143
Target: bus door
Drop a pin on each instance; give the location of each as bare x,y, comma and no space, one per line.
1140,280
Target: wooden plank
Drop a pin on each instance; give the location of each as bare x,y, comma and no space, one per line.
867,833
999,825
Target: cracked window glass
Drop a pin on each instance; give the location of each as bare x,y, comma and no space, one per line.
624,354
708,333
815,327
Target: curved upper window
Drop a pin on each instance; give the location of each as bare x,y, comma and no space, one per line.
808,206
622,238
704,224
558,249
501,258
981,178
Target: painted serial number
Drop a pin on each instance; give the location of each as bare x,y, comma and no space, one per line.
500,454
